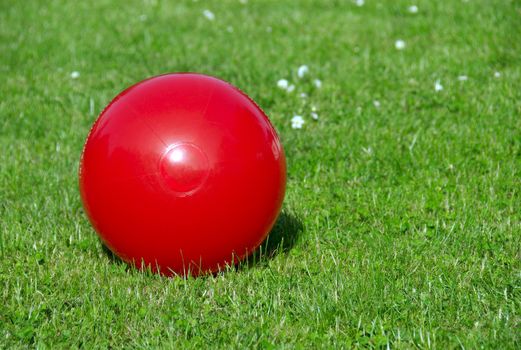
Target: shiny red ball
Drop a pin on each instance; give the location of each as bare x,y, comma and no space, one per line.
182,174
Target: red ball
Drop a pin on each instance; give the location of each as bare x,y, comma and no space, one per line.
182,173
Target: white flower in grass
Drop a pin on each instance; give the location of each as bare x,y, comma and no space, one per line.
302,70
297,122
376,103
413,9
283,84
314,115
209,15
359,2
290,88
399,44
303,95
463,78
317,83
75,75
437,86
497,75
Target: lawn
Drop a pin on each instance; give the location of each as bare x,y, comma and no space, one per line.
401,226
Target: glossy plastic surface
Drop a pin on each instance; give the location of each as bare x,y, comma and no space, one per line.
182,173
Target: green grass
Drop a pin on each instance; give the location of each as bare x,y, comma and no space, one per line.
402,223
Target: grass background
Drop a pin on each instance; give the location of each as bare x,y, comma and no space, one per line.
401,223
